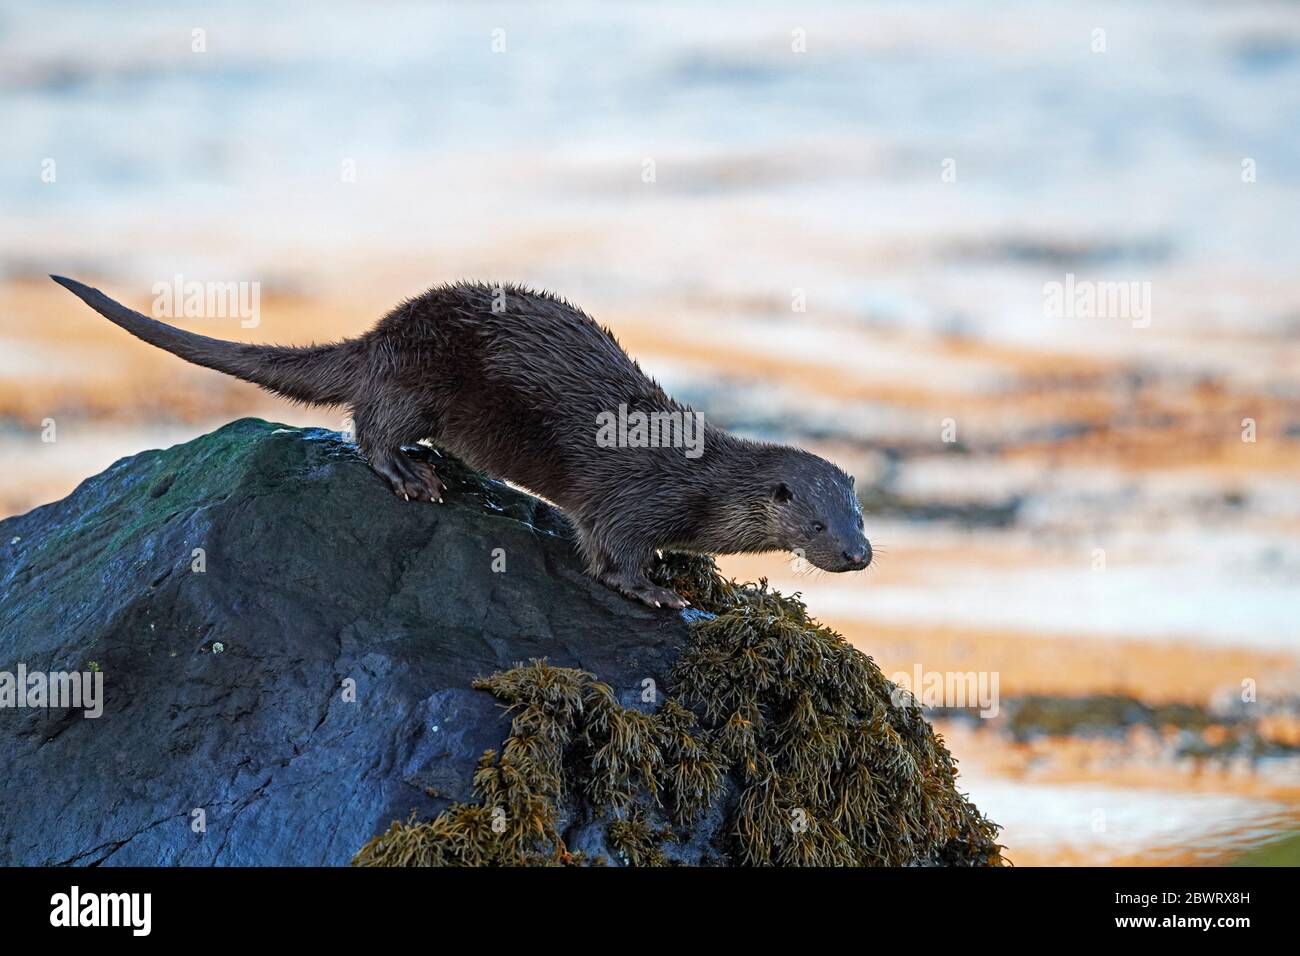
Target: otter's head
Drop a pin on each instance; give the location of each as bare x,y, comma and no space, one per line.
814,511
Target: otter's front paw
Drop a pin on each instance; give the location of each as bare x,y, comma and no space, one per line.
657,597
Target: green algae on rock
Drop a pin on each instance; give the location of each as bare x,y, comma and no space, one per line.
828,764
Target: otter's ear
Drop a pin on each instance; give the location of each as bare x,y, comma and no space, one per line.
782,493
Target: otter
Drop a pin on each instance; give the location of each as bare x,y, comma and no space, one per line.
515,382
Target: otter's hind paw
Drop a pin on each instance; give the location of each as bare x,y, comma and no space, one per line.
427,485
411,479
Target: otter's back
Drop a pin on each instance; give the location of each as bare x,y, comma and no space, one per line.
517,389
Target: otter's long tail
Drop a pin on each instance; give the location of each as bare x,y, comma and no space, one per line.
318,374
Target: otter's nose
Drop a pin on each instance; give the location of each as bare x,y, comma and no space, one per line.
858,557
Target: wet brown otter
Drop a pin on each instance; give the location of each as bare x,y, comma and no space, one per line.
519,384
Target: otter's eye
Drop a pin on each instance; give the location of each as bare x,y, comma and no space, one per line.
818,527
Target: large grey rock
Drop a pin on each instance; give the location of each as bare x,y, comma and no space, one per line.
316,577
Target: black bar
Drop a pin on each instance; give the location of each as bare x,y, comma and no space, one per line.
941,907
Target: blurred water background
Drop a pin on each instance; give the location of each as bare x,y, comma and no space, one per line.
825,223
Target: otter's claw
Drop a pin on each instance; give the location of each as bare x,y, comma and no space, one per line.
658,597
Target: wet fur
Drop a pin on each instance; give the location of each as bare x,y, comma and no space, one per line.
516,393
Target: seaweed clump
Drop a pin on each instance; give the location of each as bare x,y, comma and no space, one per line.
824,762
567,731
